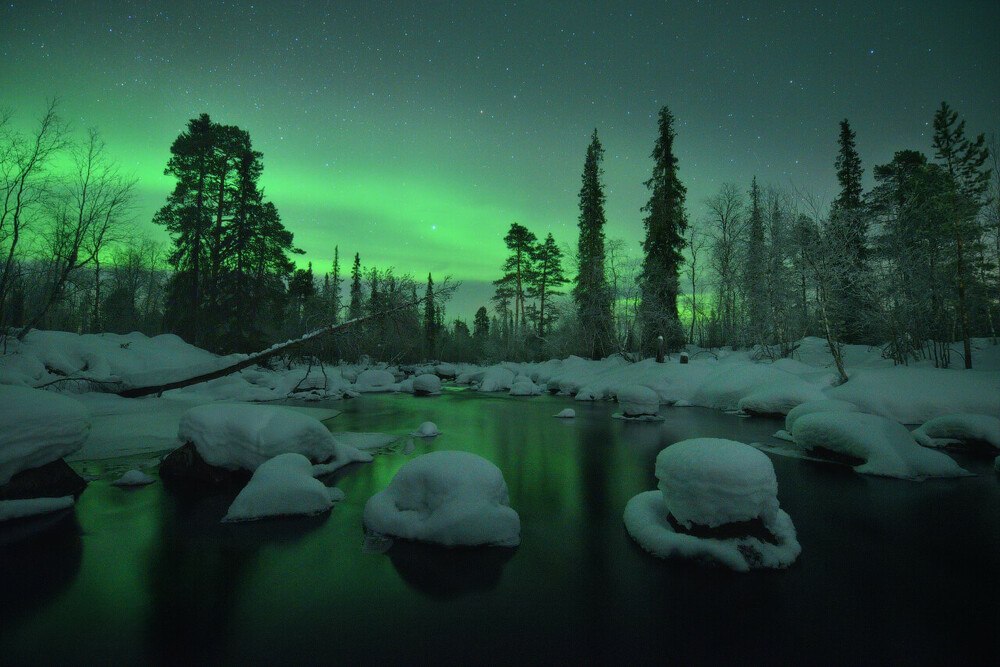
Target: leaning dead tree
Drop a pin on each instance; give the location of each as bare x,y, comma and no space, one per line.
442,294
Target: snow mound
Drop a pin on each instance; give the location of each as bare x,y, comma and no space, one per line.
426,430
647,522
22,508
234,436
525,387
959,428
638,401
38,427
779,400
711,481
756,385
448,498
374,380
427,384
824,405
134,478
282,486
884,447
568,413
497,378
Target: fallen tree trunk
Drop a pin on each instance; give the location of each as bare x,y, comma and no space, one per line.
257,357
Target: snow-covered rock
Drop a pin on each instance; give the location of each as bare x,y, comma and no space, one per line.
282,486
448,498
25,507
426,384
426,430
959,428
638,401
374,380
824,405
36,428
523,386
568,413
406,386
883,446
241,436
712,483
134,478
496,378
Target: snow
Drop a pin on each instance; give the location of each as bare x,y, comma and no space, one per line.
523,386
885,447
235,436
496,378
638,401
963,427
282,486
426,430
449,498
646,521
19,509
134,478
823,405
568,413
427,384
375,380
712,482
38,427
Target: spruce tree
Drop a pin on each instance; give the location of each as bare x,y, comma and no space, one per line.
481,331
547,278
334,290
754,271
665,226
591,293
964,161
430,320
356,307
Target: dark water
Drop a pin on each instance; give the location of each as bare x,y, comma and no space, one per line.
891,571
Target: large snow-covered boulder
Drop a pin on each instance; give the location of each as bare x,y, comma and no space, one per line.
824,405
568,413
718,492
282,486
448,498
879,445
426,430
241,436
523,386
962,428
426,384
497,378
37,427
374,380
638,401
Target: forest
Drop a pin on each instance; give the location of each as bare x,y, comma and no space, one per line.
910,265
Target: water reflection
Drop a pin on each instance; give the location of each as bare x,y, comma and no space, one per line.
443,573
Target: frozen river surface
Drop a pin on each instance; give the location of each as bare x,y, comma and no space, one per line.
891,571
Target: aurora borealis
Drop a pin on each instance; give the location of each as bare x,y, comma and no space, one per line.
415,133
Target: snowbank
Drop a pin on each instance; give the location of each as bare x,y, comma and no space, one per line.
713,483
448,498
37,427
20,509
884,447
282,486
234,436
824,405
959,428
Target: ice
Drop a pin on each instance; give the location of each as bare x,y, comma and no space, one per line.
426,430
568,413
374,380
711,482
282,486
235,436
638,401
427,384
19,509
38,427
962,427
448,498
883,446
134,478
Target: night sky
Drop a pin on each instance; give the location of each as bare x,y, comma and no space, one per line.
416,132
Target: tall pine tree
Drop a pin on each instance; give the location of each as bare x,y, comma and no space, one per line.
591,292
665,225
356,307
546,279
518,270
